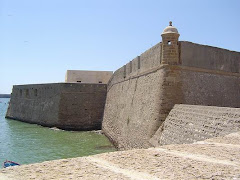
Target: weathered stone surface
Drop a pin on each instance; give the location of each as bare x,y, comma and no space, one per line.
142,92
207,57
137,106
132,109
216,158
191,123
210,88
170,47
70,106
35,103
81,76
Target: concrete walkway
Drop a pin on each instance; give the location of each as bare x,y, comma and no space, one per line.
217,158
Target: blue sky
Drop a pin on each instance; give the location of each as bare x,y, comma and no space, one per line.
41,39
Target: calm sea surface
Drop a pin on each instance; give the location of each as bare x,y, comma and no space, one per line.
27,143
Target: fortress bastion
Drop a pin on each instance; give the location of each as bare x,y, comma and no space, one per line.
133,104
141,94
70,105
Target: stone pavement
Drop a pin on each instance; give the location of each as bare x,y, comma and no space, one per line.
216,158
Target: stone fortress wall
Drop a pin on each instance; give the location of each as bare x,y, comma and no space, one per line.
187,124
35,103
71,106
142,93
208,57
139,95
132,106
79,76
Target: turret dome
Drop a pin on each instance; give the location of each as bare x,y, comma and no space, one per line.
170,29
170,46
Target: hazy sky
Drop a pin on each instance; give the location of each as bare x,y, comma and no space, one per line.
41,39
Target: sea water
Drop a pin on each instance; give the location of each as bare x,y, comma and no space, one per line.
28,143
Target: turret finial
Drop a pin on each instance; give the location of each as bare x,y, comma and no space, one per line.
170,23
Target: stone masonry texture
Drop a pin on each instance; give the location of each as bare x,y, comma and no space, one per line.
207,57
170,52
99,77
132,106
142,93
132,111
191,123
71,106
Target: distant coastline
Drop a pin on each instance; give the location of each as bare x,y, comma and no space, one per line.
5,95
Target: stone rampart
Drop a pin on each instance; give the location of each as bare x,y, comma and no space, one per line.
187,85
209,87
35,103
191,123
194,86
208,57
81,106
81,76
142,93
132,105
70,106
147,61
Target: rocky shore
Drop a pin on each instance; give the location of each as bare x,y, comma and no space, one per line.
216,158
